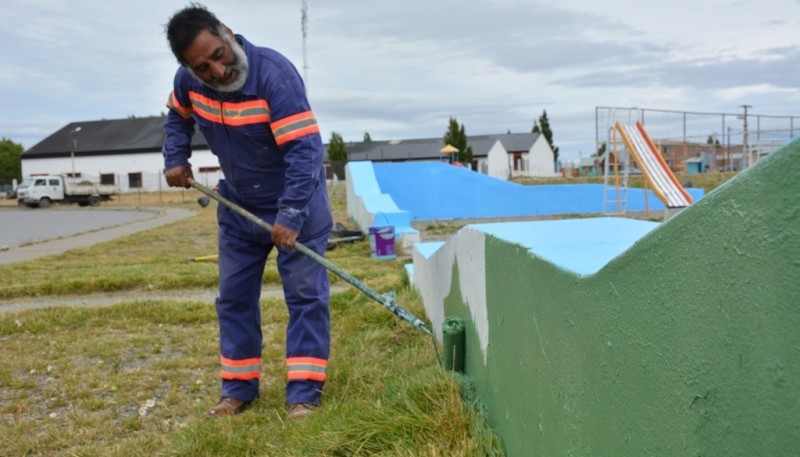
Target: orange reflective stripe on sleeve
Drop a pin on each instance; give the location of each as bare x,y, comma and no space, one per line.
245,113
293,127
240,369
306,368
206,108
175,105
230,113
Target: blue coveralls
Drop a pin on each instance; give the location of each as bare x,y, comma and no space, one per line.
269,147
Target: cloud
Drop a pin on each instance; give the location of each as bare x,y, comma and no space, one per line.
401,69
741,92
777,65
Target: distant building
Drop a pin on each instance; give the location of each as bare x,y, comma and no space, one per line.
500,156
123,152
701,157
588,166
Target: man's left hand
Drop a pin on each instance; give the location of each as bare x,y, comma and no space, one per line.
283,237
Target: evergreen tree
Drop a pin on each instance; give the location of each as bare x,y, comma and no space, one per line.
601,150
337,154
367,138
10,161
543,127
457,138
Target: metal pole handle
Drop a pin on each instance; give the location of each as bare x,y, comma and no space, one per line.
387,300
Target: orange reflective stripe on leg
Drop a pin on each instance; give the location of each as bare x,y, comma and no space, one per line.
306,368
243,369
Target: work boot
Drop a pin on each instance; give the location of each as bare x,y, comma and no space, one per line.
227,406
300,410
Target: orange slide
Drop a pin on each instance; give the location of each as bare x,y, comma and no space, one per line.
653,166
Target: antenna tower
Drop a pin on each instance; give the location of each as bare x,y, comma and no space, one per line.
305,36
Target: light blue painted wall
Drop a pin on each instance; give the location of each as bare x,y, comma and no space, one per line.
438,191
582,246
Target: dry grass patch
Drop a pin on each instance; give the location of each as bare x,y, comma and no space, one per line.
135,379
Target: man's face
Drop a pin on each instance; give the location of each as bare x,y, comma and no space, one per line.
219,62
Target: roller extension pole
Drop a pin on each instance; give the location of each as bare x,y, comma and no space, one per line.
387,300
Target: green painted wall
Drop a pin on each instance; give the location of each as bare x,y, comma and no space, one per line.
688,344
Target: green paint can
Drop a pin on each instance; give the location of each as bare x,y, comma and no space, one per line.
454,341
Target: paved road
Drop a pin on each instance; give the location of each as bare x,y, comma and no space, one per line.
27,234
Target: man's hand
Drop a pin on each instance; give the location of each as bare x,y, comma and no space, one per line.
179,177
283,237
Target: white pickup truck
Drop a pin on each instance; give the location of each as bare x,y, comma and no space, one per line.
41,191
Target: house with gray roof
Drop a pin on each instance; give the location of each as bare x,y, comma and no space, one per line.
489,156
500,156
127,153
122,152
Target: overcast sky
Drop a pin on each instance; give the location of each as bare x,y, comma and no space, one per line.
400,69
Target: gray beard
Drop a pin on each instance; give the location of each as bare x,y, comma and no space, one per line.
240,66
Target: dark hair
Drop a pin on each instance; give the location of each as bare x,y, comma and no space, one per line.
186,24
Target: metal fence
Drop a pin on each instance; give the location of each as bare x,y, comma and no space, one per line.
734,141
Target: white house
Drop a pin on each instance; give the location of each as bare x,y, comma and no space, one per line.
123,152
528,154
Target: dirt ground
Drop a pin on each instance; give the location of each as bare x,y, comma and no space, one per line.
110,299
441,230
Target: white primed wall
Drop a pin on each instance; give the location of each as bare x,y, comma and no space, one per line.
497,161
540,159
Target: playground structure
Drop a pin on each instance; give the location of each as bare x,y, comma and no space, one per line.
732,141
672,139
649,159
658,176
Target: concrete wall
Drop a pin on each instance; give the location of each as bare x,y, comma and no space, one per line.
367,206
686,344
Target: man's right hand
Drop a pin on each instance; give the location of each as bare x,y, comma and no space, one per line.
179,177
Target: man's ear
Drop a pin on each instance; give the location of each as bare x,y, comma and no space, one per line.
228,31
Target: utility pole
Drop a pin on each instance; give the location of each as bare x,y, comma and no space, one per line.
304,23
728,164
73,143
745,142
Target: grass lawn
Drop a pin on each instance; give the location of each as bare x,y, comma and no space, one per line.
135,378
